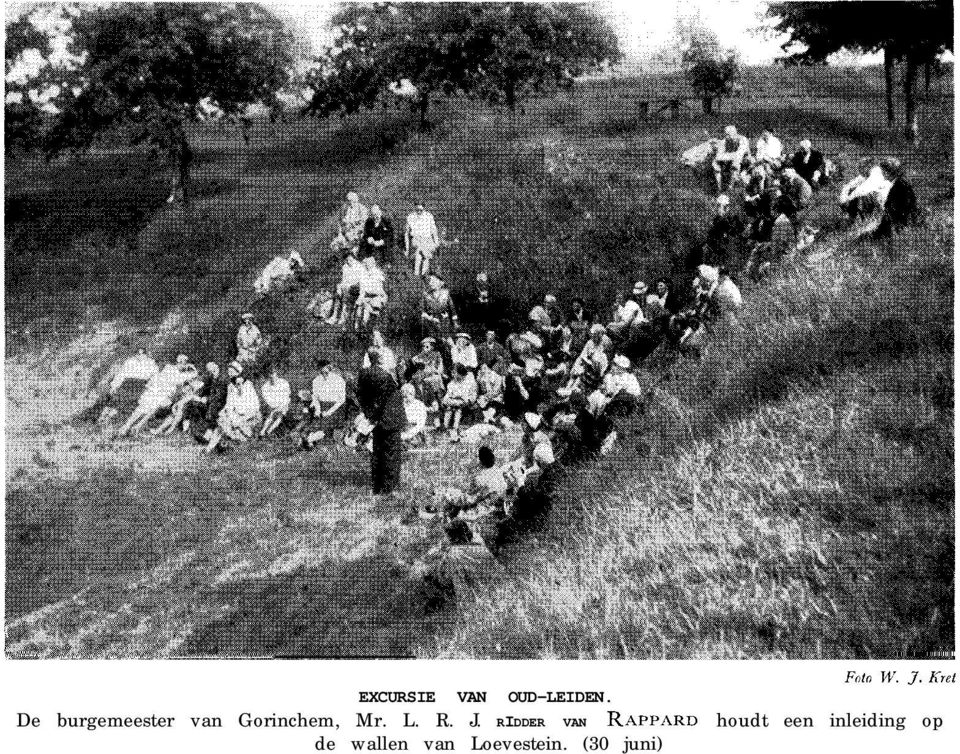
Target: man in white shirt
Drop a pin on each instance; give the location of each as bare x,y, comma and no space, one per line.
732,151
769,149
865,195
630,313
421,239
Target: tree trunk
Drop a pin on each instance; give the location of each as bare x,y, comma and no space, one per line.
181,160
909,101
888,76
511,94
707,105
423,104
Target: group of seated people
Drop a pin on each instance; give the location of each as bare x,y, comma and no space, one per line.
764,194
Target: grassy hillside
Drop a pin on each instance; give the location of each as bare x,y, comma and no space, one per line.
788,494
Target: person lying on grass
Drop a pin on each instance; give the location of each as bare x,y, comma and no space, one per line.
279,271
159,394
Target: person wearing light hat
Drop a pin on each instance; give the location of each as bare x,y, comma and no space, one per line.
463,352
249,340
719,297
430,377
620,390
240,414
461,395
351,224
732,151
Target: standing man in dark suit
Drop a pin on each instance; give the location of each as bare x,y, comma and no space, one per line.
377,239
381,401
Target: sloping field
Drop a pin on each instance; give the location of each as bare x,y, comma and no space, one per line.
789,494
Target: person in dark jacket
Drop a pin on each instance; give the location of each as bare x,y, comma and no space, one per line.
900,208
211,398
809,164
381,401
378,238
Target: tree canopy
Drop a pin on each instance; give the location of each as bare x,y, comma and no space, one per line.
915,32
494,51
147,70
709,69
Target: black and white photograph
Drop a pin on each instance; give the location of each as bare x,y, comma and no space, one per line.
479,330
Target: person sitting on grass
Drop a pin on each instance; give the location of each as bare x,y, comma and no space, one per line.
139,367
321,306
360,434
377,237
579,323
351,224
416,413
250,342
725,235
630,313
797,190
769,149
719,296
900,207
438,315
348,289
732,153
159,394
276,397
328,400
492,353
490,384
428,373
372,294
461,396
241,413
595,352
862,198
619,391
187,394
809,164
279,270
462,351
122,389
